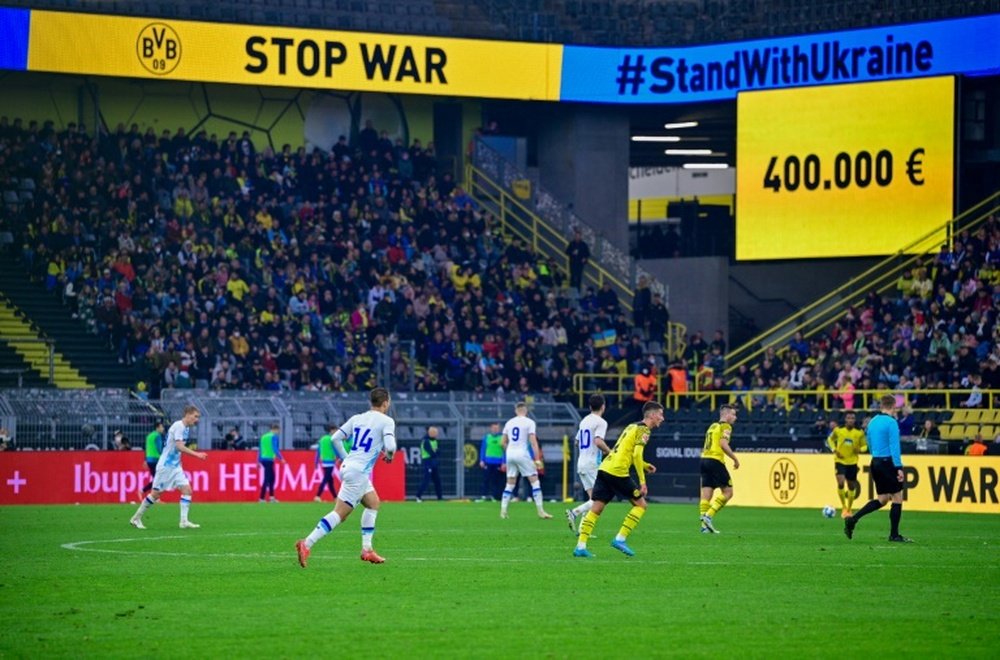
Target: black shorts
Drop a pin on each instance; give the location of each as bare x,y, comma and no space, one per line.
714,474
849,472
884,474
606,486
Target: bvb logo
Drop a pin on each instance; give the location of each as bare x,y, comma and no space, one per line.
158,48
471,455
784,481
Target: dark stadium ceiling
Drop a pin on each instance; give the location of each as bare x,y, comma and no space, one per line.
715,132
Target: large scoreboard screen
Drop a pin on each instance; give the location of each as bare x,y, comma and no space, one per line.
844,170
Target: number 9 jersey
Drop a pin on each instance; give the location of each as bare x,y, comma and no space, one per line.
519,431
369,433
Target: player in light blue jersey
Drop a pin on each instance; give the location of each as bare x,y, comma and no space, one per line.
169,473
373,432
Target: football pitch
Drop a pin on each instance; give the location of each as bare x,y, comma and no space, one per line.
78,581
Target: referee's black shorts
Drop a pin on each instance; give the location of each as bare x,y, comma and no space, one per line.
714,474
885,476
606,486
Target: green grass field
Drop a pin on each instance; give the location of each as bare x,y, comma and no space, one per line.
78,581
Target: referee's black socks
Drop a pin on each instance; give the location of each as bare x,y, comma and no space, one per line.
873,505
895,513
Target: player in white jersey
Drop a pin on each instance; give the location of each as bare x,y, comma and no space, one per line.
590,443
518,441
169,473
373,433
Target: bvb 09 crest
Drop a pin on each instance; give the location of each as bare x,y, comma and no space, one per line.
784,481
158,48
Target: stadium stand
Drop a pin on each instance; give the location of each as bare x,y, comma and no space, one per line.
207,263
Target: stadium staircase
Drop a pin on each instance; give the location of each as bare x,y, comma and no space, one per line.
543,222
82,360
15,371
27,343
880,278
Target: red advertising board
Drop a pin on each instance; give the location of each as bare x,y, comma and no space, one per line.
92,477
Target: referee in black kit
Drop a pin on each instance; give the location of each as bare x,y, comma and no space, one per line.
886,468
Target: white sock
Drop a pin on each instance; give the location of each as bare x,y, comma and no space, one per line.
323,527
619,538
185,507
367,528
144,507
584,508
580,545
505,500
536,494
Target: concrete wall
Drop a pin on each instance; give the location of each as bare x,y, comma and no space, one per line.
699,291
768,291
583,160
702,289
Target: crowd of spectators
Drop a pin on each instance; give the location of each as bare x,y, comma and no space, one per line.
937,331
208,262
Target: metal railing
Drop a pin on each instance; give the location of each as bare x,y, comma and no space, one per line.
828,400
879,278
29,348
16,373
546,224
44,419
620,387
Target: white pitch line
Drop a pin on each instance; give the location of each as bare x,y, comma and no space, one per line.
79,546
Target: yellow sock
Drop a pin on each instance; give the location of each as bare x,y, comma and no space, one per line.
849,494
587,526
703,507
842,493
632,519
717,504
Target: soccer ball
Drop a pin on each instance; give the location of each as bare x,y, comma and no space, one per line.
829,512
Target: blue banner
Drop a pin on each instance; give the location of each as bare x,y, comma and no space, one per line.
719,71
14,38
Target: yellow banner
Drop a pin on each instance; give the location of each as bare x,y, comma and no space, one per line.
257,55
843,170
933,483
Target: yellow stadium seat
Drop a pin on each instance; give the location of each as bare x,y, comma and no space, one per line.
961,416
946,431
990,416
953,431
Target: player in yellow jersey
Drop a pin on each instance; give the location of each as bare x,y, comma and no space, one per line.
614,478
713,468
847,442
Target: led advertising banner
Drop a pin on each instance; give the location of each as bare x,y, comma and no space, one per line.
14,38
843,170
95,44
96,477
967,484
721,71
65,42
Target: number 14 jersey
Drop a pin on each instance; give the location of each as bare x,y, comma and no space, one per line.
369,433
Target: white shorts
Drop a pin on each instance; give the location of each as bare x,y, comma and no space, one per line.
587,478
169,478
522,465
354,485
